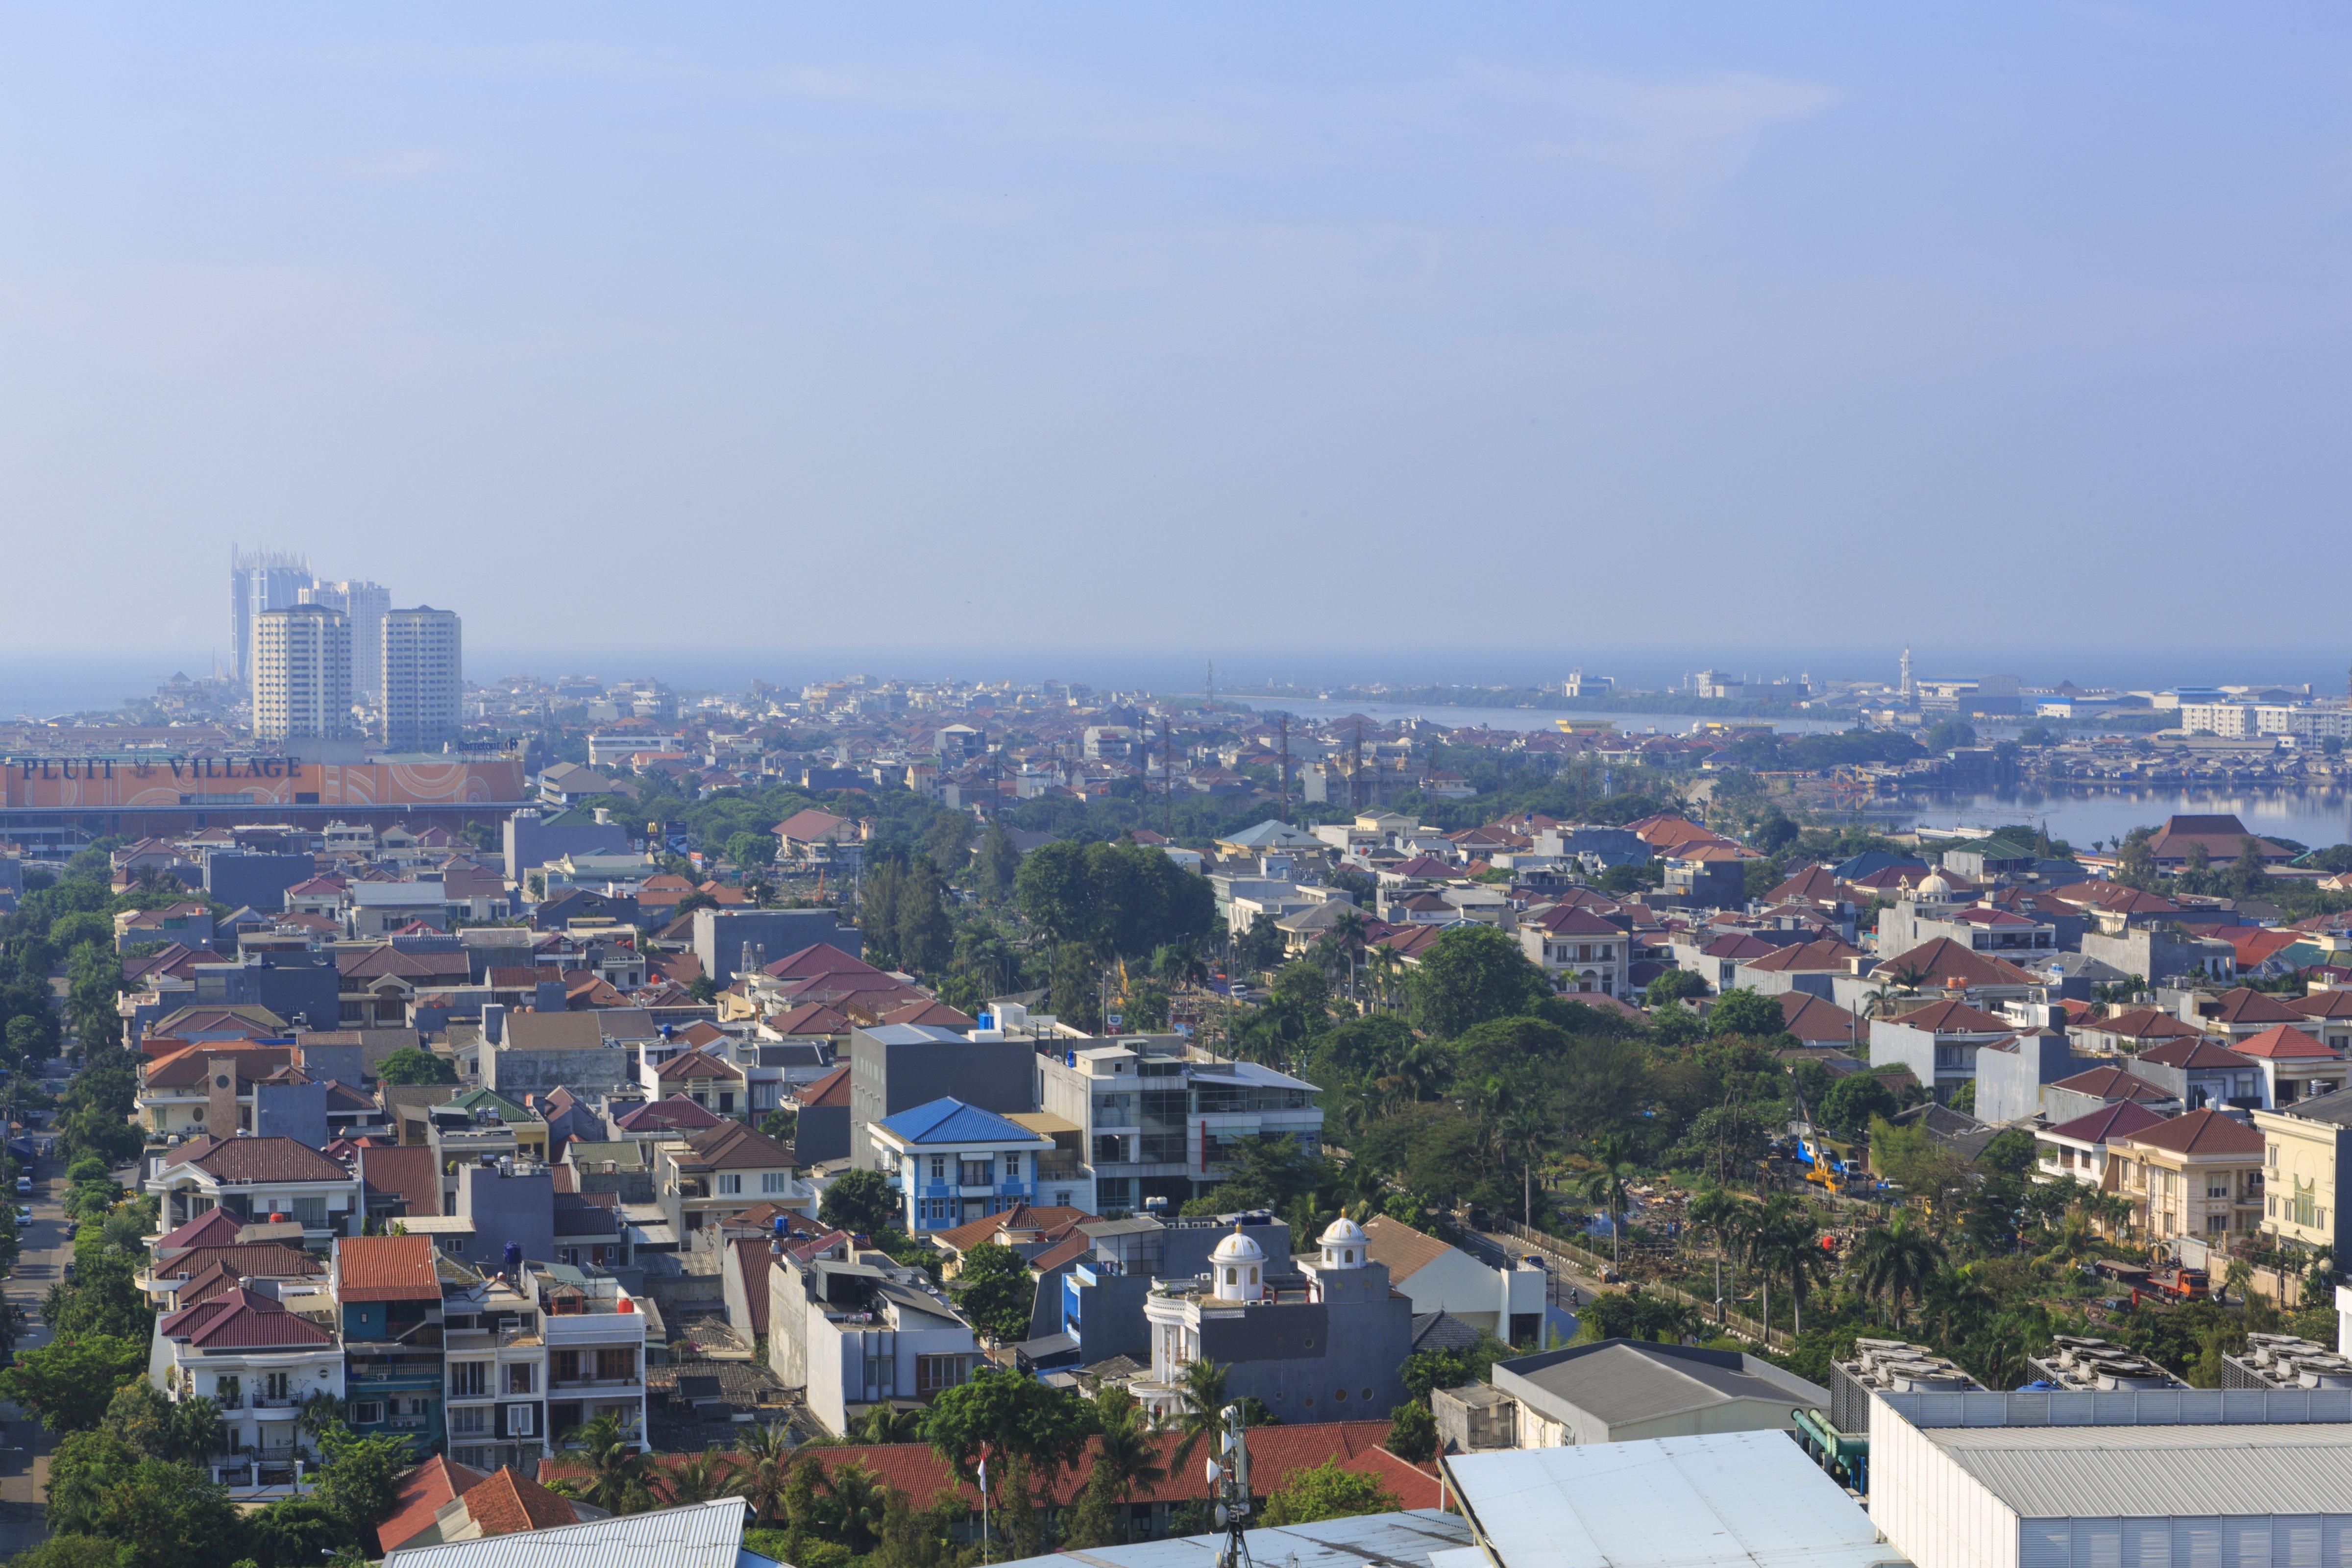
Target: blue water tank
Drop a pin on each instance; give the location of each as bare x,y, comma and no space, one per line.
514,1254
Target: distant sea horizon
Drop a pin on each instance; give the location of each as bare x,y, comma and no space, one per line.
55,682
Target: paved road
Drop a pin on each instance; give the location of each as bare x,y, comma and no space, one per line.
45,1248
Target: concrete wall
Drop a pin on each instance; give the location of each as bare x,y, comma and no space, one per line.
884,1080
821,1134
240,877
530,841
1357,1351
296,1110
720,936
518,1206
591,1070
2009,1084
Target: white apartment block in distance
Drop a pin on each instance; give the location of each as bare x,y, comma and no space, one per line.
424,678
301,674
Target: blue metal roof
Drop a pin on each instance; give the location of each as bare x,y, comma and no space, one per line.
950,1121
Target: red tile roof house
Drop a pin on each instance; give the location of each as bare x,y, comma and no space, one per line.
917,1472
2294,1065
2076,1151
254,1178
257,1362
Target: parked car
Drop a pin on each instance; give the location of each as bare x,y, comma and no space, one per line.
24,1215
24,1186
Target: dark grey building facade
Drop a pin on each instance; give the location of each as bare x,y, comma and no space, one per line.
896,1067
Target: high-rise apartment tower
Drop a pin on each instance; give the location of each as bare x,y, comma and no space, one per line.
424,678
301,674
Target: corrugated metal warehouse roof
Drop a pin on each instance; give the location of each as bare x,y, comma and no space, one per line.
1738,1499
699,1535
1383,1539
2069,1472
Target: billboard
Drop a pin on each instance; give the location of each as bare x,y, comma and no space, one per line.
117,783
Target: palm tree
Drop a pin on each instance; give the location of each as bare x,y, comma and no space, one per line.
1898,1262
1200,1405
615,1480
1606,1183
763,1461
862,1500
1783,1238
698,1477
1957,1303
1126,1450
1721,1216
889,1424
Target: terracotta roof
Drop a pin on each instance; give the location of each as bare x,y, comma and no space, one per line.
2204,1132
687,1066
424,1493
2115,1083
818,959
915,1469
2142,1024
1830,955
267,1159
505,1502
833,1088
752,1261
2330,1004
242,1319
811,825
253,1260
2122,1119
385,1268
1952,1018
1815,883
2244,1005
1944,959
2282,1042
1405,1250
2198,1050
733,1146
1044,1218
1814,1018
936,1015
674,1113
214,1227
409,1172
811,1018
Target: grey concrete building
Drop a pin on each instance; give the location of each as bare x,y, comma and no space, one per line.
510,1202
720,936
586,1052
2011,1076
1621,1391
897,1066
243,876
2160,954
1332,1352
534,839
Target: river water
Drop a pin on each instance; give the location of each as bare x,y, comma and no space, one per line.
2083,817
1456,718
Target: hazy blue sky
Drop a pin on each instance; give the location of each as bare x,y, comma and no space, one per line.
1995,328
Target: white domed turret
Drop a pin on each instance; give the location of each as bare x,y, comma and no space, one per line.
1343,1244
1935,884
1239,1267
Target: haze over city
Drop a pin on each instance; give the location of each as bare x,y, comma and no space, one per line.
1620,331
1206,787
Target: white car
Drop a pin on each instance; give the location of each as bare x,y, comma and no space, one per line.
24,1215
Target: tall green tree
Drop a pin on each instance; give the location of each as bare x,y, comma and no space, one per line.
995,1291
69,1382
1470,975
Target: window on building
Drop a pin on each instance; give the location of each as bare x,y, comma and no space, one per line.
367,1413
1011,1167
469,1420
468,1379
977,1173
933,1373
776,1182
616,1365
728,1183
276,1385
939,1167
520,1375
522,1420
562,1366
